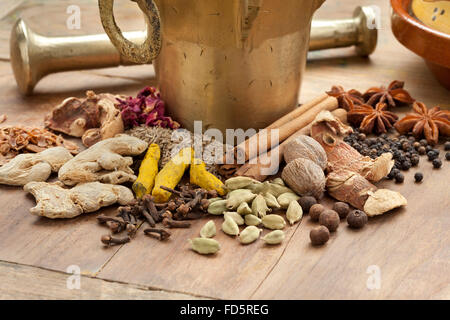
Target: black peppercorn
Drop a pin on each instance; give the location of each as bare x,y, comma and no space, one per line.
447,156
447,146
415,160
399,178
431,155
319,236
437,163
405,146
406,165
361,136
428,148
423,142
306,203
416,145
418,177
422,150
357,219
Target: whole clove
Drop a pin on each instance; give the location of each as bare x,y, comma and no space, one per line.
111,241
160,234
167,222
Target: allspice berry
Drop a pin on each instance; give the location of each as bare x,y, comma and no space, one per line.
342,209
315,211
329,219
319,236
357,219
306,203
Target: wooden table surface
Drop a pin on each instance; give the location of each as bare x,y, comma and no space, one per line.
408,248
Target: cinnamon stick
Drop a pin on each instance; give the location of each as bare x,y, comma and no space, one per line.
249,149
255,169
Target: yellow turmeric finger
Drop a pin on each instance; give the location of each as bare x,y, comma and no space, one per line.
171,174
204,179
147,172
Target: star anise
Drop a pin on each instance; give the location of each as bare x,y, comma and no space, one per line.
427,122
346,99
390,95
371,119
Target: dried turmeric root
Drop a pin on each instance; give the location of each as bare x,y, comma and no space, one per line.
204,179
147,172
171,174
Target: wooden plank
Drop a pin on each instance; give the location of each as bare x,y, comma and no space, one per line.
233,273
31,283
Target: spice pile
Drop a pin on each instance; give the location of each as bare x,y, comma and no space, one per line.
17,140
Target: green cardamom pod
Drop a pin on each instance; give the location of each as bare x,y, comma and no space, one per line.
218,207
244,209
249,234
230,227
274,189
235,216
294,212
236,197
212,200
208,230
205,245
259,206
271,201
273,222
252,220
239,183
255,187
279,181
286,198
274,237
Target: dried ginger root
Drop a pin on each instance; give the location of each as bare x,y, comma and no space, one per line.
30,167
352,188
53,201
327,130
104,162
202,178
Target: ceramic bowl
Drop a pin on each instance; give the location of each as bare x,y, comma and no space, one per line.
423,34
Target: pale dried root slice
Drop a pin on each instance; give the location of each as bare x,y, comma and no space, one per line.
30,167
53,201
354,189
327,130
383,200
106,161
350,187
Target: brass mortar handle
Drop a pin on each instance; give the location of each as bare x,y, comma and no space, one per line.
359,31
142,53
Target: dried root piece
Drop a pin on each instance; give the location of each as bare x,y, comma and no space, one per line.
53,201
30,167
104,162
327,130
94,118
383,200
352,188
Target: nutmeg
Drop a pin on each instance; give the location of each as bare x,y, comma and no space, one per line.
329,219
304,177
307,148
